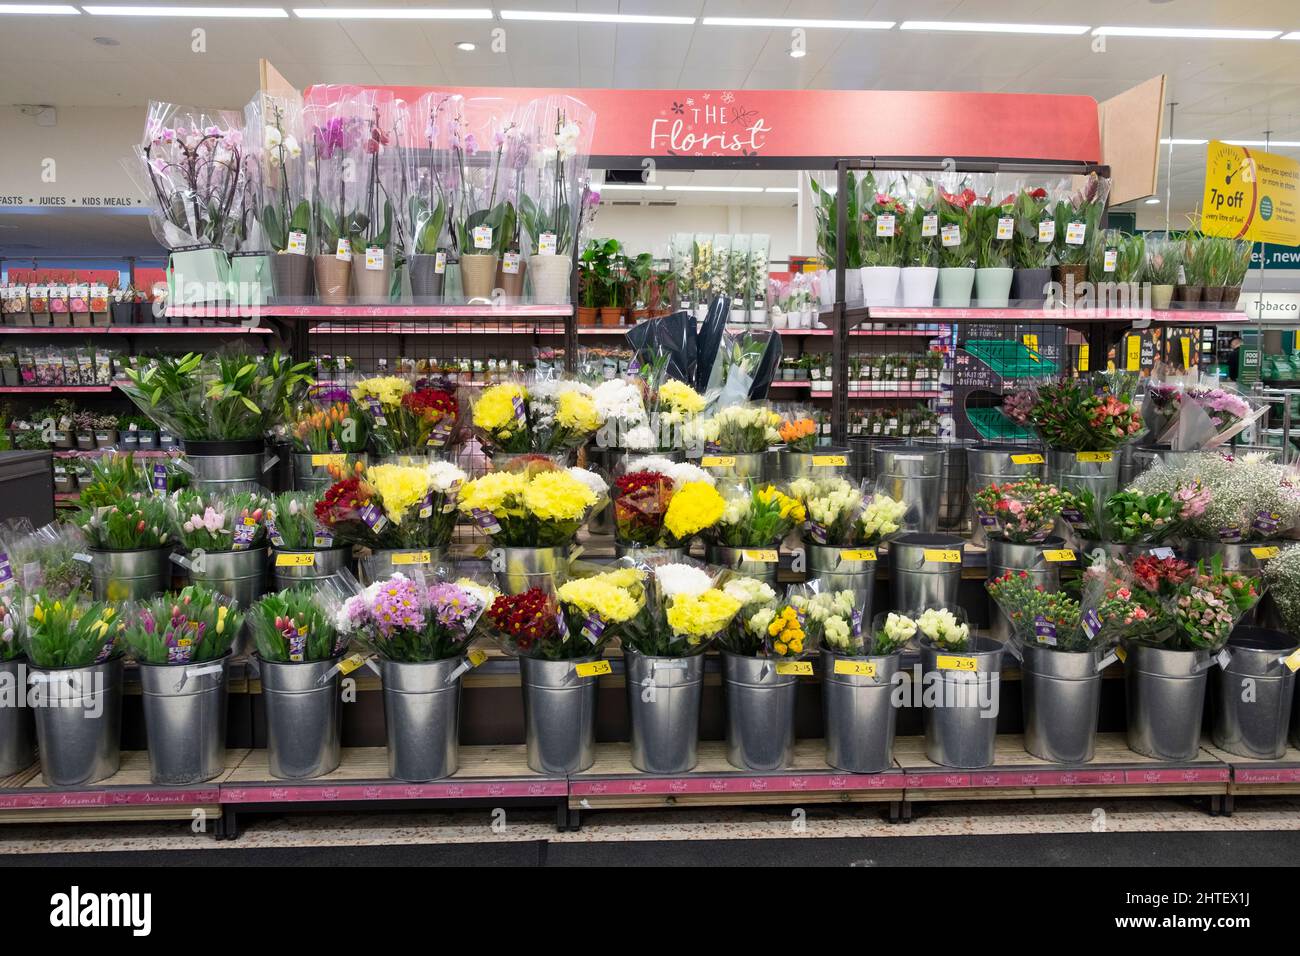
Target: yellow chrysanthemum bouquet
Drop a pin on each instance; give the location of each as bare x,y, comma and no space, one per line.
549,417
540,506
600,605
756,515
685,610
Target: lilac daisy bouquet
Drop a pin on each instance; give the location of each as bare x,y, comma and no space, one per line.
408,619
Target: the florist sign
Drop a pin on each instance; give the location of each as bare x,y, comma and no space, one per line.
702,124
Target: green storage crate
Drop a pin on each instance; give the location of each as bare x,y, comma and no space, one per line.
993,425
1010,359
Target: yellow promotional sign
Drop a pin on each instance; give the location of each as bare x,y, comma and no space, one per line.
1251,195
1059,554
1083,358
1134,357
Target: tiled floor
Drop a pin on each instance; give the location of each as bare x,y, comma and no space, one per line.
487,826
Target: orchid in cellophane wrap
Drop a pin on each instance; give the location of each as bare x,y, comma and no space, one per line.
284,209
482,210
190,162
561,129
334,136
424,139
370,216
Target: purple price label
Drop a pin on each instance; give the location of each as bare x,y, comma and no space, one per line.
1091,623
373,518
518,403
987,520
855,622
297,644
426,506
1072,515
593,627
377,411
486,520
1045,631
159,479
179,650
273,533
322,537
561,622
1266,522
244,534
6,570
1230,534
104,652
817,532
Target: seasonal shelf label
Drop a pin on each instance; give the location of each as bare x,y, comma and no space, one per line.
830,461
305,560
1058,554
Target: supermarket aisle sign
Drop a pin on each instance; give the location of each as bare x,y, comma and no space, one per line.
1251,195
802,124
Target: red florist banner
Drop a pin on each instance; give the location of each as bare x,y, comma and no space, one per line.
823,123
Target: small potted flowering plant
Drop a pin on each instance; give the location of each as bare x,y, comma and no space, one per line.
298,652
882,243
956,247
420,629
1031,249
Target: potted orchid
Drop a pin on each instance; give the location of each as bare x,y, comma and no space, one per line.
426,204
481,213
370,222
286,213
334,144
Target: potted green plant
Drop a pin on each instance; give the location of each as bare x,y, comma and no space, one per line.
995,227
1237,267
882,242
641,272
1031,250
1163,262
827,239
1191,288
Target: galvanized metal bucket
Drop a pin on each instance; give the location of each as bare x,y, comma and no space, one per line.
130,575
239,575
760,712
989,464
663,704
762,564
1067,471
383,563
226,466
845,569
824,461
185,719
78,721
1253,694
559,715
953,501
1060,699
422,718
918,579
638,553
1114,549
858,711
324,564
1165,695
912,474
1003,556
726,466
311,471
519,569
304,717
17,726
1236,556
964,690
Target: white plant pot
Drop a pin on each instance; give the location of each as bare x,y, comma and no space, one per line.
826,288
880,285
993,288
779,320
550,278
918,286
758,316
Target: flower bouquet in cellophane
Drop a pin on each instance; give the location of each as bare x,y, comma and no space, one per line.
663,504
394,506
407,418
844,515
550,417
340,427
51,558
1053,619
1190,414
1094,413
536,506
1022,511
190,627
295,626
756,515
686,610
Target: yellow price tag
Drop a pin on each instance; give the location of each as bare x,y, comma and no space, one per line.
1031,343
324,461
1264,554
830,461
1292,661
1121,654
351,663
858,554
1083,358
856,668
718,461
1094,456
948,662
1187,352
1058,554
476,657
250,522
943,555
1133,353
411,557
767,557
1026,459
799,668
302,560
593,669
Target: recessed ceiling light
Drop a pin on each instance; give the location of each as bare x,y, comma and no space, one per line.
780,23
1044,28
1186,33
1153,201
45,9
202,13
107,41
466,47
797,53
391,13
1183,142
561,16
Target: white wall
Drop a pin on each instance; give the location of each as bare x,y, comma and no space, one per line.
651,228
82,155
